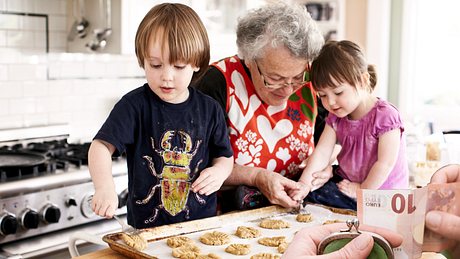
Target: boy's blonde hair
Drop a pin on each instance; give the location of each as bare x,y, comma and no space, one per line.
341,61
183,31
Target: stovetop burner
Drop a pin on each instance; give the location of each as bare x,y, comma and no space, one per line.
22,161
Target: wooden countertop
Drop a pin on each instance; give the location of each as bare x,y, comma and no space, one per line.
103,254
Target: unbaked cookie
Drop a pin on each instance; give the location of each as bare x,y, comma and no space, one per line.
215,238
274,224
238,249
265,256
135,241
332,221
282,247
304,217
178,241
186,251
272,241
247,232
208,256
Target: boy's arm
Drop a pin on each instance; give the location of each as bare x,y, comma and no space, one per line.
388,152
105,198
212,178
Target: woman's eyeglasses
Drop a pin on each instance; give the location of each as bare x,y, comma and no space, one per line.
278,84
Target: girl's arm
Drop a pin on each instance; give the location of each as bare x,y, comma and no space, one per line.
321,156
105,199
388,152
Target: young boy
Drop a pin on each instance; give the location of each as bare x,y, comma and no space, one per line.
175,137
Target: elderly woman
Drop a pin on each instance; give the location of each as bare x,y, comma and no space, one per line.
270,106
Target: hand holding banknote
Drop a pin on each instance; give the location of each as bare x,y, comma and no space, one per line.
412,213
443,223
306,241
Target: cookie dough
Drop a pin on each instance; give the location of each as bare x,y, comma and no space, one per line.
215,238
272,241
265,256
178,241
282,247
186,251
274,224
304,217
135,241
332,221
238,249
247,232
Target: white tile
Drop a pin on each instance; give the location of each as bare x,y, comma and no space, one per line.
57,23
3,72
35,88
37,119
59,88
2,38
59,117
72,70
51,6
58,40
40,41
48,104
71,103
18,38
11,121
22,72
2,4
4,107
34,23
9,22
22,106
94,69
11,90
16,5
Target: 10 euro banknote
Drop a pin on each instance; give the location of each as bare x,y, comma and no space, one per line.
403,211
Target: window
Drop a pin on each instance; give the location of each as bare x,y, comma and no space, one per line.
429,89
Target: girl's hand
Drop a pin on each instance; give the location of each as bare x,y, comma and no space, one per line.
209,181
104,203
300,193
321,177
349,188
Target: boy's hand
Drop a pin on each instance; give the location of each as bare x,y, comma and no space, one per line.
209,181
104,203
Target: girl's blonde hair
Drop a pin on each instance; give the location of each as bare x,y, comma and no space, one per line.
182,29
341,61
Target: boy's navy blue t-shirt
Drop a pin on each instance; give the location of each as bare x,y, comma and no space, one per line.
167,146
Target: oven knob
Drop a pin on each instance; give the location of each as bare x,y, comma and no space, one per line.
122,198
8,224
51,213
71,202
30,219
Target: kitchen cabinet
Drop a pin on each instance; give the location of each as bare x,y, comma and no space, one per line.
329,15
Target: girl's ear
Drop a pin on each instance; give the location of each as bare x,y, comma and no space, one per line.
196,69
366,78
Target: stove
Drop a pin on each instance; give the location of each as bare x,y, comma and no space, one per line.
45,186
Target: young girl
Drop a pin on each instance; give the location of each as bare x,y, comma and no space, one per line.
175,137
368,129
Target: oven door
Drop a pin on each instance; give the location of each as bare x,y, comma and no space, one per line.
56,245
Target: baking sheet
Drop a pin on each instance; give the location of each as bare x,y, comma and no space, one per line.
227,223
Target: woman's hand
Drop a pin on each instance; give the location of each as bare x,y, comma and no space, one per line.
276,187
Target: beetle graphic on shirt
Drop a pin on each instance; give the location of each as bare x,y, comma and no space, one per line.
176,176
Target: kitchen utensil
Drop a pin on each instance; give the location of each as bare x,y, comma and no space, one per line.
125,227
81,25
100,35
131,236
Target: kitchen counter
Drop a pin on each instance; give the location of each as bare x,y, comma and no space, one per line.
103,254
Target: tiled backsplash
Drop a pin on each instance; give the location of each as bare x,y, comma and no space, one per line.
37,88
77,89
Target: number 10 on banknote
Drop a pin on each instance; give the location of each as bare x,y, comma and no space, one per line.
402,211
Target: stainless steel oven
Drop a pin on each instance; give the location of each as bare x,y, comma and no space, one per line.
45,187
